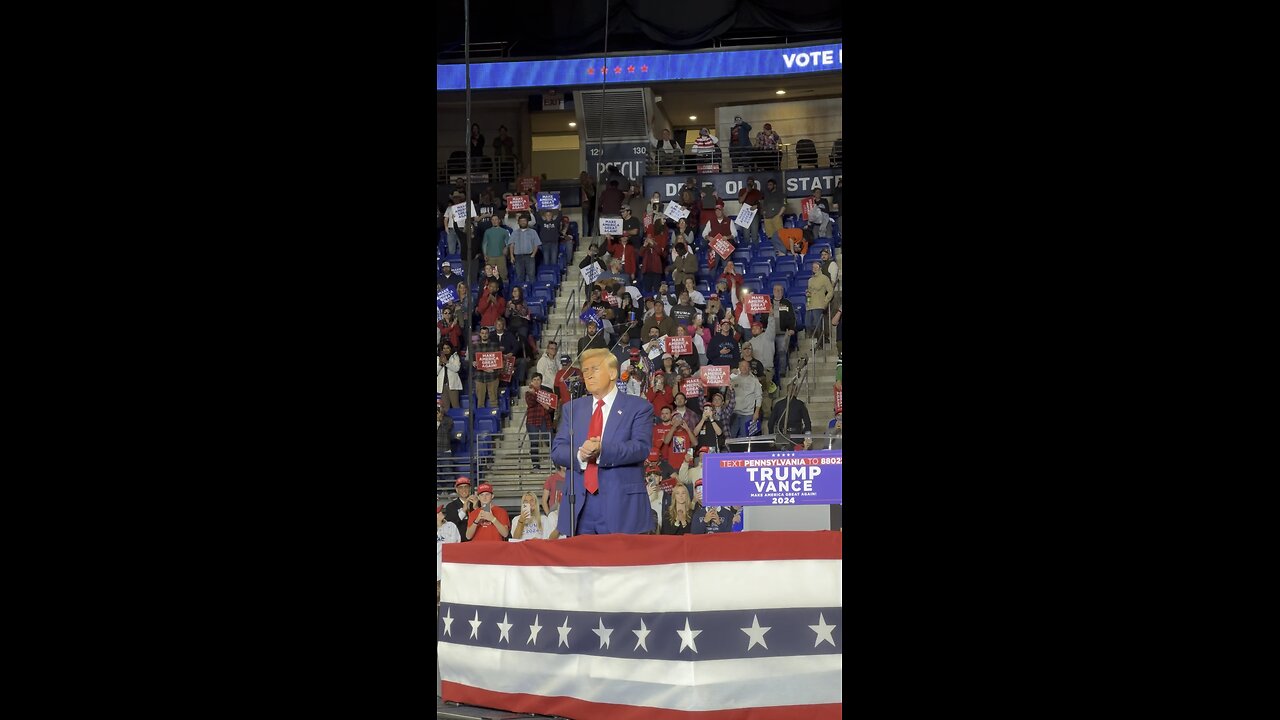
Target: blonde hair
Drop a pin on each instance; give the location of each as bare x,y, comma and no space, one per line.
535,515
611,360
671,509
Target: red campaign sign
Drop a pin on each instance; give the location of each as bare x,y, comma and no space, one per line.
691,387
530,184
648,219
714,375
723,247
612,300
759,304
545,399
518,203
679,345
508,369
805,204
488,361
839,402
708,168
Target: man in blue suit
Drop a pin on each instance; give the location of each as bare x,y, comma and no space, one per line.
613,433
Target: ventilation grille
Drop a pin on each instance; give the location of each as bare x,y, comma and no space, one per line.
624,114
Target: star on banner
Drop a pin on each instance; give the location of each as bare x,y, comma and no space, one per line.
617,70
631,68
641,634
505,627
644,68
686,637
534,629
591,71
475,624
564,632
824,632
448,623
604,634
756,633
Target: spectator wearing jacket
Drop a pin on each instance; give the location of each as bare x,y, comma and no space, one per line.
772,204
762,339
818,298
719,225
486,380
670,153
611,199
511,344
651,266
447,277
786,329
748,392
723,349
492,305
685,264
750,196
450,330
538,420
740,144
448,382
661,321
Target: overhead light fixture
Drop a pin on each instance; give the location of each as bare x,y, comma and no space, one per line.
693,117
781,92
573,124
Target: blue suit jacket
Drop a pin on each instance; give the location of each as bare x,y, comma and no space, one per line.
628,437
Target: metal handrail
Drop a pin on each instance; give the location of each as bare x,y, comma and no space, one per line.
766,442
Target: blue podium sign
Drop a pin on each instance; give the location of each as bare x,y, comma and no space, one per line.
778,478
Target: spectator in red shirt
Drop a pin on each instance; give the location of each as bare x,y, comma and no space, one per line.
677,442
488,523
553,491
660,395
491,305
450,330
566,374
651,266
624,251
538,420
733,281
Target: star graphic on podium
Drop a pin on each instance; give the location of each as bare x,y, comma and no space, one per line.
604,634
824,632
475,624
564,632
448,623
756,633
505,627
686,637
641,634
534,629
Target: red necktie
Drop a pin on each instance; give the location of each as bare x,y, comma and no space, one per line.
589,478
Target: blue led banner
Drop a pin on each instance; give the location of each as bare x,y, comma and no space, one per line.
809,477
643,68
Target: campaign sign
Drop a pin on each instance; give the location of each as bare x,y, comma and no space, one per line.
446,296
518,203
612,299
714,375
839,401
592,316
622,387
723,247
591,272
691,387
708,168
545,399
805,205
682,345
676,211
548,201
529,184
460,213
488,361
759,304
611,226
745,216
777,478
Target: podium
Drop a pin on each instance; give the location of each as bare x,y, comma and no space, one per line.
792,517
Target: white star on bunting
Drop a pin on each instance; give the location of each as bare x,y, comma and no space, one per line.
756,633
686,637
448,623
505,627
604,634
824,632
534,629
641,634
475,624
564,633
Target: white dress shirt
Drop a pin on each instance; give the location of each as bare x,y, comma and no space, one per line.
608,405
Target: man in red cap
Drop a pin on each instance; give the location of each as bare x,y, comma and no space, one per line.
457,510
488,523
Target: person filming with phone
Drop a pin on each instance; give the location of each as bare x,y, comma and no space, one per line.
488,522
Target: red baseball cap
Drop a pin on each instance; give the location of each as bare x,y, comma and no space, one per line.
654,455
704,449
698,482
757,325
668,483
484,488
462,481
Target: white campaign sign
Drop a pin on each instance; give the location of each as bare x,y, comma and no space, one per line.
611,226
591,272
675,211
460,213
745,216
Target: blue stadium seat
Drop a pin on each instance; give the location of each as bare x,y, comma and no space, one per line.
817,247
543,293
537,309
755,284
760,267
548,274
487,425
783,278
786,265
741,258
